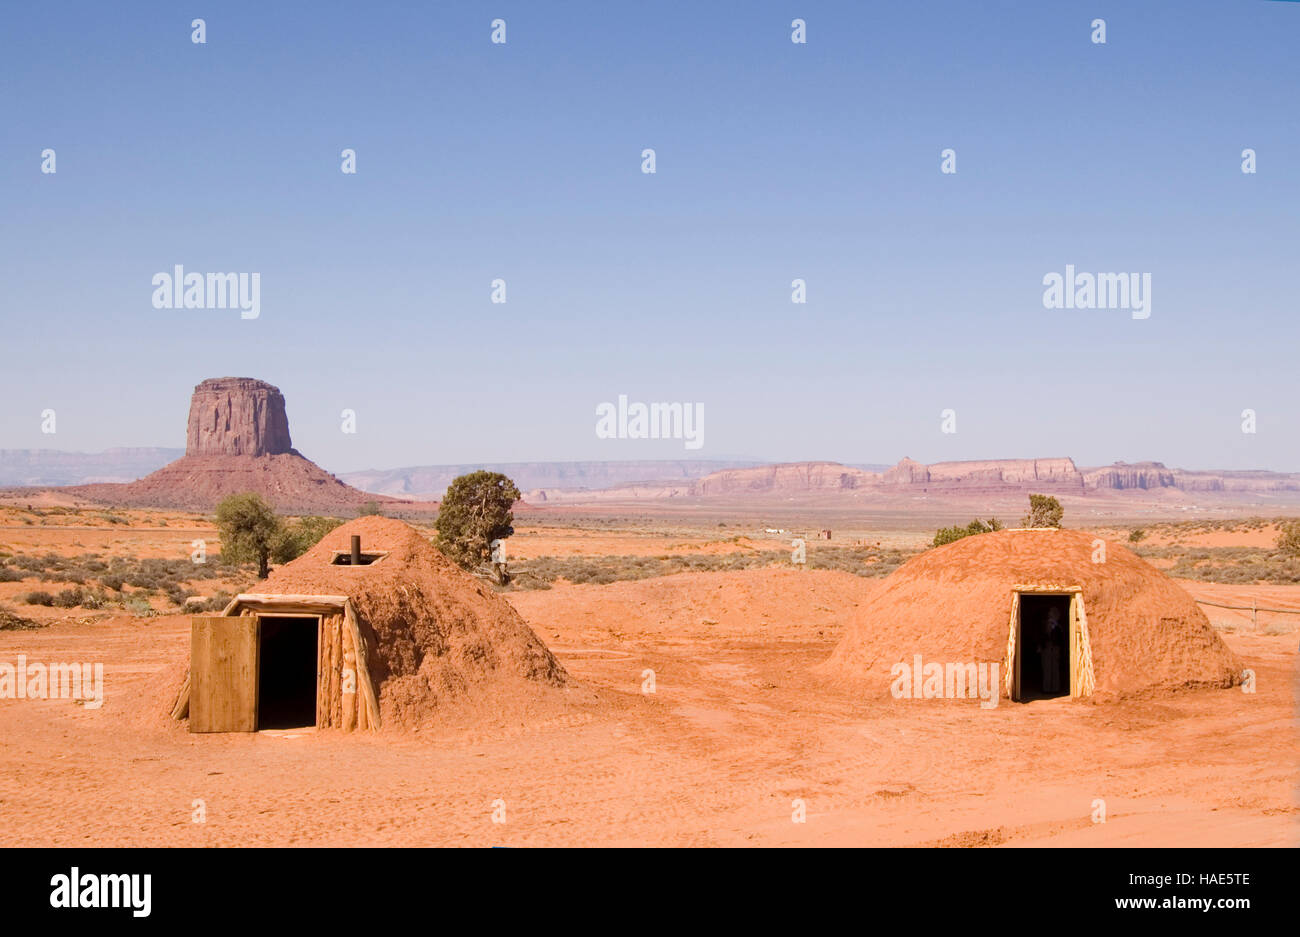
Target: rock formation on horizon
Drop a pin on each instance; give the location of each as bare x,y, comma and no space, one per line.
237,440
981,478
237,416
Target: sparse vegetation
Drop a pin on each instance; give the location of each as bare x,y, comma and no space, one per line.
475,511
1229,565
297,537
12,622
68,598
950,534
542,572
1136,535
249,528
1044,511
1288,538
98,584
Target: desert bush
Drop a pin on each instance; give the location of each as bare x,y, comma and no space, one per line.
1044,511
950,534
1136,535
297,538
68,598
94,599
475,511
34,563
138,605
216,602
1288,539
10,575
248,529
38,597
177,595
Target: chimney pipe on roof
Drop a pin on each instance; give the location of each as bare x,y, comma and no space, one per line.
356,550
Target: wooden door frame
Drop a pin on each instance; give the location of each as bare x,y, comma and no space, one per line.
1081,674
250,603
320,624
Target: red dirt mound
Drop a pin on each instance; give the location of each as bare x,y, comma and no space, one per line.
439,638
953,604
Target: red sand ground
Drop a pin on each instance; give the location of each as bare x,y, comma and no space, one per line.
738,730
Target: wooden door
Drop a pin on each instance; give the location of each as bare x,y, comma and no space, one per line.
223,674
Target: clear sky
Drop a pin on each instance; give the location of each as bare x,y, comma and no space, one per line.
774,161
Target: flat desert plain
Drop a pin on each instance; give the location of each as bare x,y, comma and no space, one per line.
738,742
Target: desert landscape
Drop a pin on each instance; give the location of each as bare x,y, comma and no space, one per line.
739,728
691,699
707,426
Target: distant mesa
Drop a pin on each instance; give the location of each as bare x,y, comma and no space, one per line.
237,440
237,416
982,477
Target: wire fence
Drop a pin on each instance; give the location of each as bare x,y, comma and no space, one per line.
1254,609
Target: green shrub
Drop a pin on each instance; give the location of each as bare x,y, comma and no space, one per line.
950,534
297,538
1044,511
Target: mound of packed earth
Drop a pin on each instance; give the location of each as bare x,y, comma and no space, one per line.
954,604
436,646
437,635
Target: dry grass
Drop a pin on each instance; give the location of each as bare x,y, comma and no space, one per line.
92,581
541,572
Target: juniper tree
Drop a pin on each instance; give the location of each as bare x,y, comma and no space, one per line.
475,511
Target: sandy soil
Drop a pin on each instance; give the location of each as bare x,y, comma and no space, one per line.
144,538
736,737
1263,537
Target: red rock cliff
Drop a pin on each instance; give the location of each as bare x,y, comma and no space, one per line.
237,416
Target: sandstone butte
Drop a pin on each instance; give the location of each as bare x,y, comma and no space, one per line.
237,440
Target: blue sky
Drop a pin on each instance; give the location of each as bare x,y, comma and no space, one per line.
775,161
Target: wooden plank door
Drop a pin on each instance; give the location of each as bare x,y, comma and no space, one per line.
223,673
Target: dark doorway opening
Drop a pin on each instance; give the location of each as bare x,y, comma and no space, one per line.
1044,646
286,679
